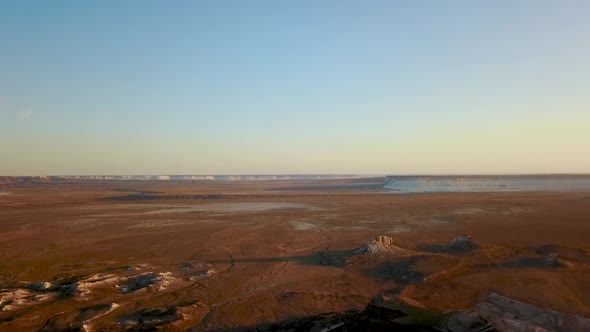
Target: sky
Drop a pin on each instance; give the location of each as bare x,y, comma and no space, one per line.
294,87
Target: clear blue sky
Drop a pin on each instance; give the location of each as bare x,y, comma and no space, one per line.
218,87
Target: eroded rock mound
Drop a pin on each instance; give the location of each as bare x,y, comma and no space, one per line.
460,244
499,313
381,244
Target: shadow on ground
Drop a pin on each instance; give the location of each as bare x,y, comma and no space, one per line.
460,245
321,258
372,318
401,271
549,261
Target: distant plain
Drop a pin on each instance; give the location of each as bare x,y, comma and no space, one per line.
213,255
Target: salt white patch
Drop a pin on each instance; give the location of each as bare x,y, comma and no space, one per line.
369,221
438,222
14,204
232,207
469,211
138,267
78,222
165,280
408,219
203,273
187,312
21,298
111,207
515,210
349,228
400,229
303,226
97,281
159,223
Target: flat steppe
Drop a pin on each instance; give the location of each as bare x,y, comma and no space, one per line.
108,255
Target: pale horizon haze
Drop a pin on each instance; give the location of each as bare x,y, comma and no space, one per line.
305,87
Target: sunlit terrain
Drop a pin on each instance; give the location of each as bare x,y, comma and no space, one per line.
300,166
103,255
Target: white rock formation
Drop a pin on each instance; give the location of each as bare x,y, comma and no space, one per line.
381,244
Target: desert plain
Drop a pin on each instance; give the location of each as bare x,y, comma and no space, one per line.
95,255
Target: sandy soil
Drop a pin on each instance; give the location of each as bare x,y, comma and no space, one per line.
211,256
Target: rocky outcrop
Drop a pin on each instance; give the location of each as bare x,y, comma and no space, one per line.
552,260
381,244
458,245
499,313
495,313
462,243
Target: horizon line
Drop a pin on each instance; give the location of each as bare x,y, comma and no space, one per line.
351,175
